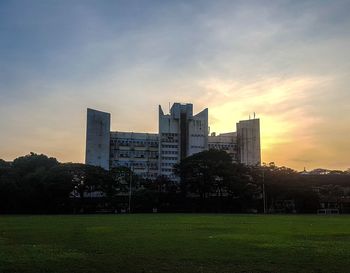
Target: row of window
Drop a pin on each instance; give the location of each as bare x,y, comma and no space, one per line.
197,135
170,164
170,140
169,146
222,146
170,152
150,165
197,147
169,137
169,134
169,158
167,169
128,142
137,154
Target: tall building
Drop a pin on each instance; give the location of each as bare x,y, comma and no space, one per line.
243,145
181,134
248,141
97,138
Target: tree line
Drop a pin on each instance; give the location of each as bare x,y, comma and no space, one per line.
207,182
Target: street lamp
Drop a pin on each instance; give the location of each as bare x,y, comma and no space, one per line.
130,183
263,185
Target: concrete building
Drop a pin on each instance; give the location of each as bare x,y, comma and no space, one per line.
137,151
243,145
248,141
97,138
226,142
181,134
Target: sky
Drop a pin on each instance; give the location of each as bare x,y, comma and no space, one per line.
288,61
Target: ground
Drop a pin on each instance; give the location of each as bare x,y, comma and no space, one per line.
174,243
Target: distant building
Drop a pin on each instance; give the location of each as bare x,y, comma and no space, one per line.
248,141
226,142
181,134
97,138
137,151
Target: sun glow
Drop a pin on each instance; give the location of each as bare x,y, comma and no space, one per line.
279,103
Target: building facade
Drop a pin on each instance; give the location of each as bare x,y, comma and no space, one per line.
226,142
97,138
248,141
137,151
181,134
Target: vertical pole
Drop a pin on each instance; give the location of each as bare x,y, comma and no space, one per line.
264,193
130,183
74,202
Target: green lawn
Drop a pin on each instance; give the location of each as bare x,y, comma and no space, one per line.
174,243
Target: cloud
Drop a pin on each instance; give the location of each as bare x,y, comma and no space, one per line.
284,60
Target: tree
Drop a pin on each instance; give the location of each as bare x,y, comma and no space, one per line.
162,184
32,162
117,182
204,173
8,187
4,164
59,185
31,170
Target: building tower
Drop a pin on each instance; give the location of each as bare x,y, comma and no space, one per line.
181,134
248,141
97,138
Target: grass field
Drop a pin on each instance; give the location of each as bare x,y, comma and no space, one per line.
174,243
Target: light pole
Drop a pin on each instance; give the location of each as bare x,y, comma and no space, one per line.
264,193
130,183
74,197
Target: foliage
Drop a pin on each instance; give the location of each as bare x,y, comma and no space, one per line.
216,179
210,172
208,182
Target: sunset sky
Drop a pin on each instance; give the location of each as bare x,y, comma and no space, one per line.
288,61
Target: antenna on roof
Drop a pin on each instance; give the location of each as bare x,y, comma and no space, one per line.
254,115
249,116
